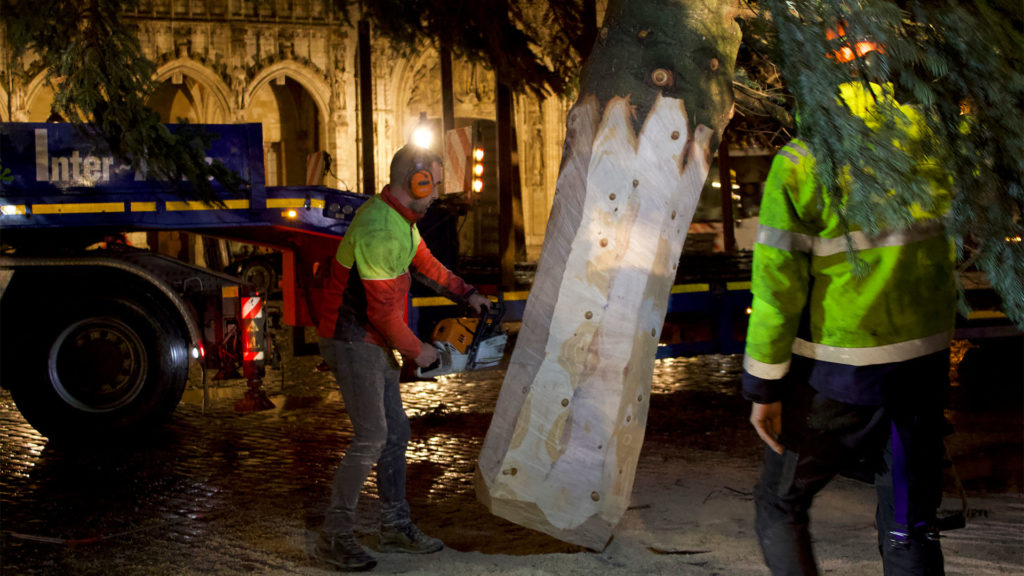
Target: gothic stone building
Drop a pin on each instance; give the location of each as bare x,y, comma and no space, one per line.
291,65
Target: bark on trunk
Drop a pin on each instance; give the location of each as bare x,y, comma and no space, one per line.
561,451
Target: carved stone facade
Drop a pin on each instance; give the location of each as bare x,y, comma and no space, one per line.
292,66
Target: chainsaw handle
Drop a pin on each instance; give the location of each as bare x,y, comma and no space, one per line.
495,310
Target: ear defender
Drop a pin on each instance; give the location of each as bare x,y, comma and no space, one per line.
421,183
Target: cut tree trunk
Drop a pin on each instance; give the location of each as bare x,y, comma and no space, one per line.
561,452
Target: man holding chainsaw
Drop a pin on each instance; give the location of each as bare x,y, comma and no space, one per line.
361,326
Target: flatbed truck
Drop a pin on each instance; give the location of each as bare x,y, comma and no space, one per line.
96,336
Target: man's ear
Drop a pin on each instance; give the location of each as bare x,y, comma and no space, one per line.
421,184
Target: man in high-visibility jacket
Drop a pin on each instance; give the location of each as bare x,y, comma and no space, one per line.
361,325
848,369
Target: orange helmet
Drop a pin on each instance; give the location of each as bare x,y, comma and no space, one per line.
846,52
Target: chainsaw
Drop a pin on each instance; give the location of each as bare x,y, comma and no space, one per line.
465,344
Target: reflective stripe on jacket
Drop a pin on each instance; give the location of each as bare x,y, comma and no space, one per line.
808,300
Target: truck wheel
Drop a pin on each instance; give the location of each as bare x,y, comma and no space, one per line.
110,366
260,275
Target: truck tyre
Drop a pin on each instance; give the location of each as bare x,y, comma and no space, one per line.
109,366
260,275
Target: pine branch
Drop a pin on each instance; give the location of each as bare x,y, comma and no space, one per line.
941,57
101,83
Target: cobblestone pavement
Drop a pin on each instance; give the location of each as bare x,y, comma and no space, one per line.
228,493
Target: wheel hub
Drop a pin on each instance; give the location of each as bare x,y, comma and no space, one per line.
98,364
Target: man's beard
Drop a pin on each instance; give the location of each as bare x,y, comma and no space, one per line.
421,206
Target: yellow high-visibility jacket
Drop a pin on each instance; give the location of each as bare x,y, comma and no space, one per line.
808,302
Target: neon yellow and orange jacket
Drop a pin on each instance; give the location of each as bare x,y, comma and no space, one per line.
369,282
808,301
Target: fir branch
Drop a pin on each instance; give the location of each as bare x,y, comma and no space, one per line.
527,55
941,57
101,83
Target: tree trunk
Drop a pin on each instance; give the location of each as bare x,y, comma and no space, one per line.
561,451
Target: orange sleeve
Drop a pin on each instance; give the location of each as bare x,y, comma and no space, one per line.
385,305
434,275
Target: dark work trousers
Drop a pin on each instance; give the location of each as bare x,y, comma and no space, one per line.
368,378
823,438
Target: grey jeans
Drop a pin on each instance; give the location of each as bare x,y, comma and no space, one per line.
368,378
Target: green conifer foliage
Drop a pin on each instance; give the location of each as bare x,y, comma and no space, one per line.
101,82
961,64
534,46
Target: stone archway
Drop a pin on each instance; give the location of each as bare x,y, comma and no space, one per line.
39,101
191,91
417,89
291,103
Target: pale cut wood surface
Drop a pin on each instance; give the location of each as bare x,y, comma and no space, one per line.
562,448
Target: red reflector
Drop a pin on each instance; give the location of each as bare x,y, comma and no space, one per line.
252,307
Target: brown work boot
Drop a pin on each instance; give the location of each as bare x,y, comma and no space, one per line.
343,551
407,538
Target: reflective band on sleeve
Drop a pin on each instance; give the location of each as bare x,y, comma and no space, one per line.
797,147
899,352
763,370
784,239
861,241
793,152
789,156
796,242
